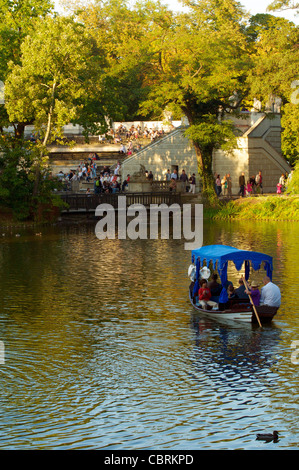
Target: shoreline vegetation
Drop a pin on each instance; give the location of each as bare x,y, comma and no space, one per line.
266,207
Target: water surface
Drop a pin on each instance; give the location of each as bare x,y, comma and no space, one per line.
104,351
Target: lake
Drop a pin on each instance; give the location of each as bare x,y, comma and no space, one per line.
104,351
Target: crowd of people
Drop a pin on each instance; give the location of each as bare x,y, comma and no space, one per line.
209,292
87,171
106,181
223,185
173,178
122,135
130,148
110,181
253,185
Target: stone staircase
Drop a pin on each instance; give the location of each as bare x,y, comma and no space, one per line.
66,158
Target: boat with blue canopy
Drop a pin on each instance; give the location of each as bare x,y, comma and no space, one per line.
217,258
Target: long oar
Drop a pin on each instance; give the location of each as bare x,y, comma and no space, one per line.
254,309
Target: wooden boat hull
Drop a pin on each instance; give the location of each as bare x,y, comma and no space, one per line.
238,310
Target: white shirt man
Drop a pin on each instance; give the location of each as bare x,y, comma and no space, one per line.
270,294
281,180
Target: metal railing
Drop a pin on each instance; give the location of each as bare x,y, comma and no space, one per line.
89,202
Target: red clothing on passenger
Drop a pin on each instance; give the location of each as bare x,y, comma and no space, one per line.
204,293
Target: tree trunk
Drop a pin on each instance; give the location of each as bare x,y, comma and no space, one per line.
19,130
45,141
204,160
51,109
204,156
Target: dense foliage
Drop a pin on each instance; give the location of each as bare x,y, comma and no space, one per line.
275,74
293,186
17,178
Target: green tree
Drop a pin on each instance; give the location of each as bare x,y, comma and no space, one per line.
275,73
257,24
293,185
58,75
208,134
290,134
281,5
200,65
15,184
192,62
122,33
17,20
17,178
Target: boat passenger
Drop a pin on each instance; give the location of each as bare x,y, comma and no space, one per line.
231,292
204,296
254,293
270,293
240,291
215,288
214,285
227,283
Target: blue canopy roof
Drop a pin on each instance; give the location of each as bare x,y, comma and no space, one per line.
221,254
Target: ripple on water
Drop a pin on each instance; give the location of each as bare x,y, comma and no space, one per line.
104,352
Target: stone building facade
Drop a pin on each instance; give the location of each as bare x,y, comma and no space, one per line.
259,149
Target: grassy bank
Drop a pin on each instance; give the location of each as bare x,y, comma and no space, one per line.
254,208
257,208
9,220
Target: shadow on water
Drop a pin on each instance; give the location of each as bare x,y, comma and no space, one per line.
243,347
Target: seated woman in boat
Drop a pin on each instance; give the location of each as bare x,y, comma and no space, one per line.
254,293
204,296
